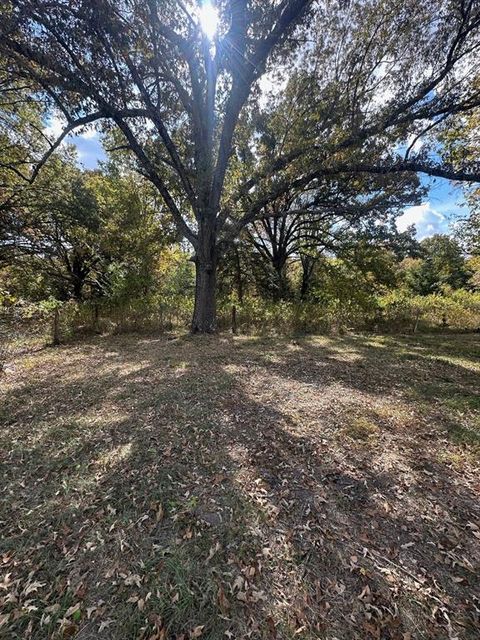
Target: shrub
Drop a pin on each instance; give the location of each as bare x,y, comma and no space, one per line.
458,310
256,315
395,312
23,324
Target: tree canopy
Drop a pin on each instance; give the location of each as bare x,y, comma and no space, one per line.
200,111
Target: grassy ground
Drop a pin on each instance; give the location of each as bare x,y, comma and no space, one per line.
242,488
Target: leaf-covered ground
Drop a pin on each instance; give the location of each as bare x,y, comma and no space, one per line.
220,487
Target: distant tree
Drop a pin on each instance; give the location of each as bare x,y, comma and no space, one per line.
473,265
82,233
52,230
468,229
442,265
182,101
355,278
134,231
328,221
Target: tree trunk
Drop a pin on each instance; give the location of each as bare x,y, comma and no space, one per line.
308,264
205,311
234,319
238,273
283,291
56,327
78,288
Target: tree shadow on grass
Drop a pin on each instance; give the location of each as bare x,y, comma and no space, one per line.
441,383
215,487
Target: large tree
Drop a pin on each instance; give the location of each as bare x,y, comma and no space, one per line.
461,142
303,225
83,234
181,94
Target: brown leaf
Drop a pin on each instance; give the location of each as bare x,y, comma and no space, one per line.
69,630
272,630
223,600
238,583
372,630
365,592
34,586
104,625
132,579
71,610
197,632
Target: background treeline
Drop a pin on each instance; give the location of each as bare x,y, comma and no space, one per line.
96,251
270,153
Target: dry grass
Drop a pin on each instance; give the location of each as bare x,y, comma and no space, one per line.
242,488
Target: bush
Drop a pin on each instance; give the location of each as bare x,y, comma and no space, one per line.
395,312
137,315
23,325
259,316
458,310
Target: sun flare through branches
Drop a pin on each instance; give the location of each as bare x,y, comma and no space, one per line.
208,17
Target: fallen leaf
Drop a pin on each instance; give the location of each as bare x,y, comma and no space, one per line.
4,618
34,586
197,632
105,624
223,600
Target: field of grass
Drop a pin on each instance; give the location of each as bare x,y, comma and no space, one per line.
227,488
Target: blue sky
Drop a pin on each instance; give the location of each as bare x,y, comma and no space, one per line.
441,206
87,142
89,150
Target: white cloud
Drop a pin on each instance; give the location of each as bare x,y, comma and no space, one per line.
412,215
426,219
55,126
88,133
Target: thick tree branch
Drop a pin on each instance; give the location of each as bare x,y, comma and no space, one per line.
155,179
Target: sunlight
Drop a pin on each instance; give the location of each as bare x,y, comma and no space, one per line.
208,16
